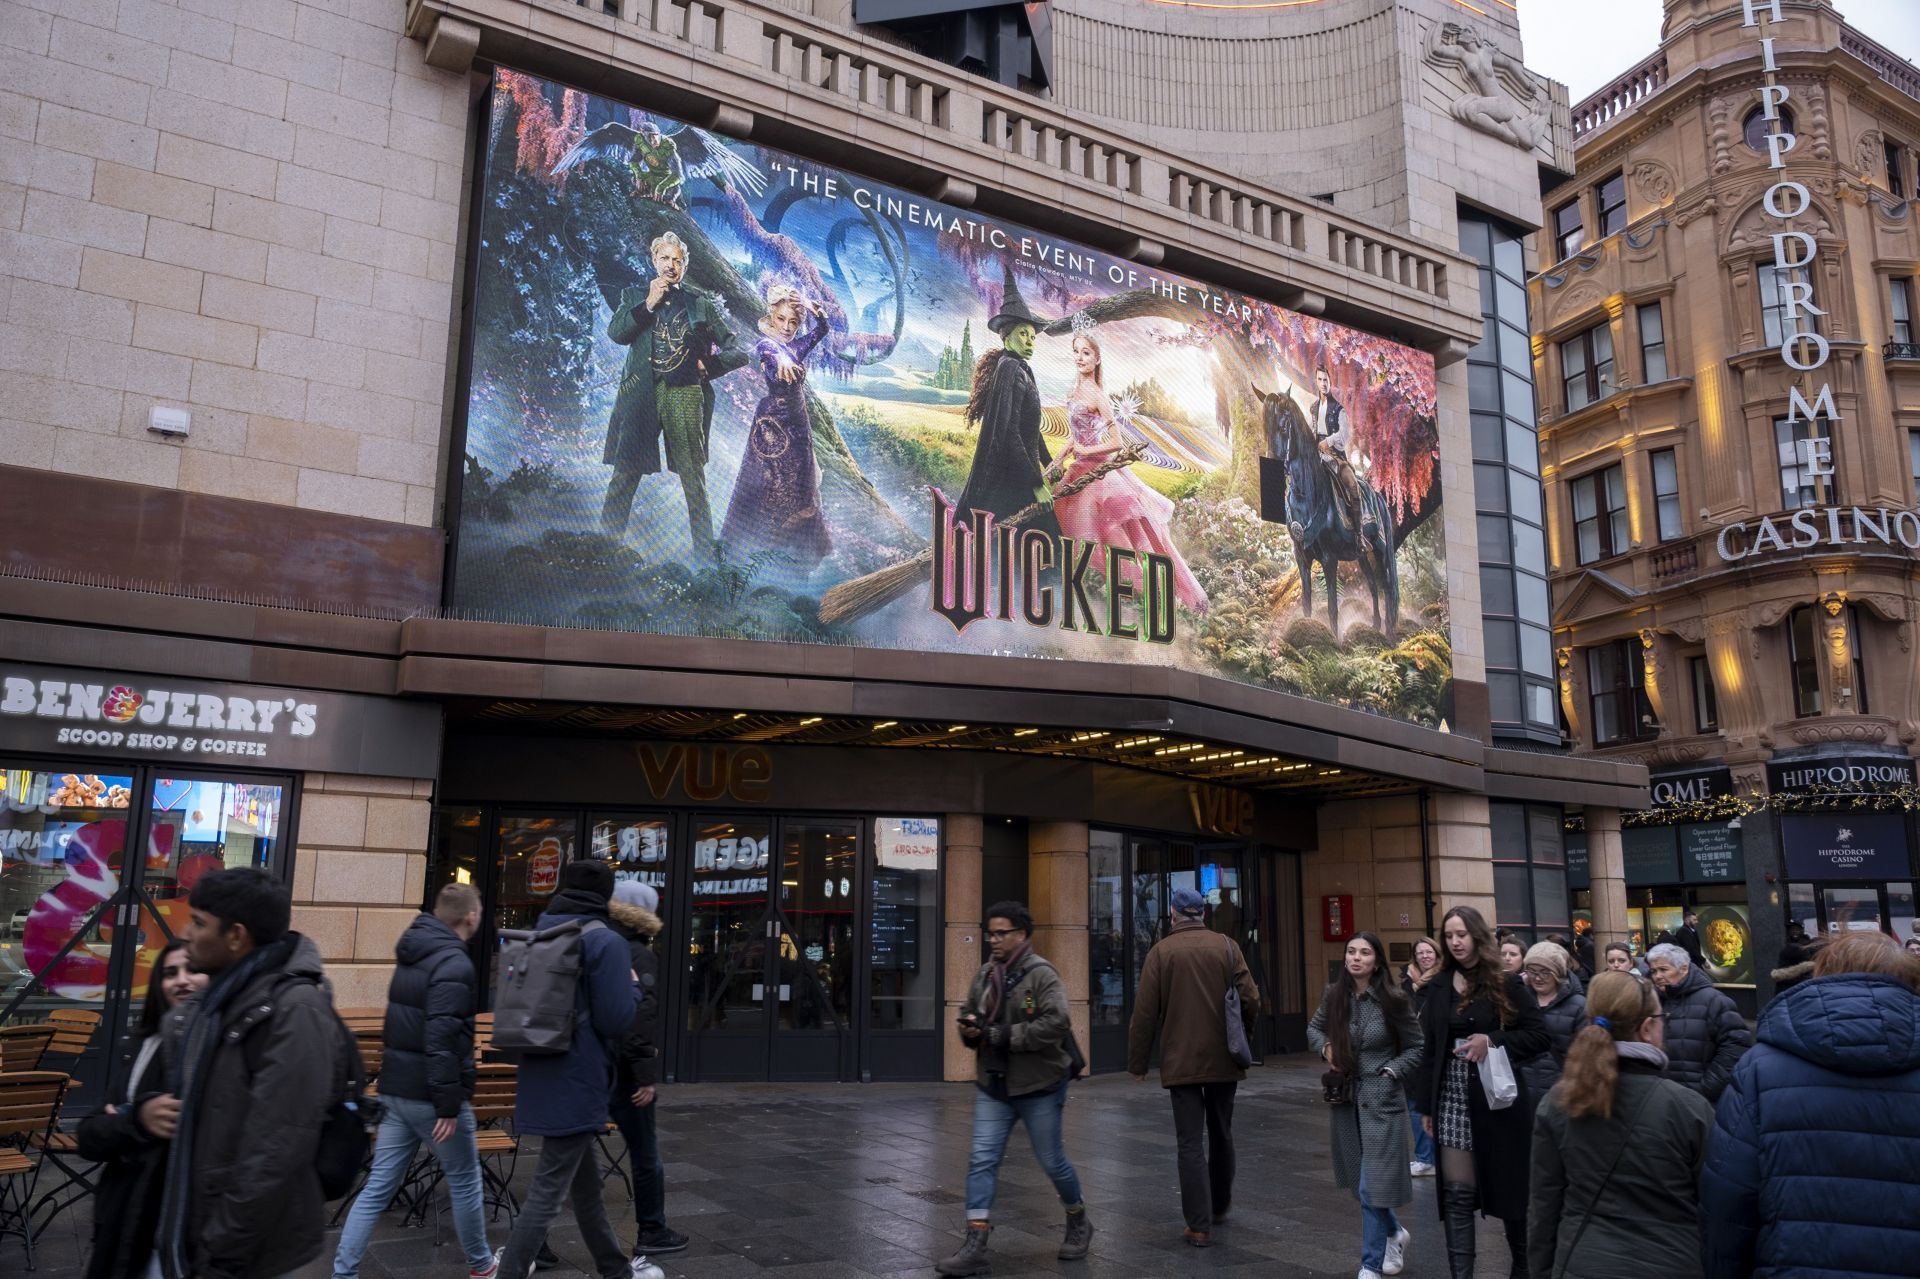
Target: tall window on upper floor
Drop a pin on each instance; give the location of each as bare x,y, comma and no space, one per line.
1569,232
1586,367
1896,171
1913,459
1617,693
1653,343
1600,514
1900,304
1610,202
1803,658
1800,484
1706,704
1665,467
1773,302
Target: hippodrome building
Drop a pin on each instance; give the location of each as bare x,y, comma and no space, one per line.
1730,430
386,509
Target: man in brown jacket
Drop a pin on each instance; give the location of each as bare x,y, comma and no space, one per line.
1182,996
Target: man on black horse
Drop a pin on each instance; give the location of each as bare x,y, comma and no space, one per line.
1331,426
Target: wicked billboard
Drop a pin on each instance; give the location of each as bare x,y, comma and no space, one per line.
717,389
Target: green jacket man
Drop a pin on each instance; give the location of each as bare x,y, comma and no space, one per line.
680,343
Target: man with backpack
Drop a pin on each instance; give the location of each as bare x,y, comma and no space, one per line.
254,1063
565,1002
1182,997
426,1080
1016,1019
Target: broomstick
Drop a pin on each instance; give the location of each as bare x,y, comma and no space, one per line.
855,599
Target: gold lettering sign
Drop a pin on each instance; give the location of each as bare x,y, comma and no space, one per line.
704,774
1221,810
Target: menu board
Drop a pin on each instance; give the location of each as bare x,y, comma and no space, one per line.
1650,855
1711,854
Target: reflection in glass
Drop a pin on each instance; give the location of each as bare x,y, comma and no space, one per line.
459,848
636,849
533,848
1150,903
1852,910
62,841
815,962
197,827
904,992
1106,927
727,934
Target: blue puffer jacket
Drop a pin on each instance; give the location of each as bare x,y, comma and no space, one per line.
1813,1170
568,1092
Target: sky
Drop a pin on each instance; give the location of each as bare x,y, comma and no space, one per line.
1564,40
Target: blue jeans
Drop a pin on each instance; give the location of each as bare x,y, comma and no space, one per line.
993,1122
1377,1226
1422,1144
409,1123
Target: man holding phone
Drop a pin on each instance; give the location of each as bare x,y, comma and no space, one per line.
1016,1021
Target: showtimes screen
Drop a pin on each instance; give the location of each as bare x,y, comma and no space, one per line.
717,389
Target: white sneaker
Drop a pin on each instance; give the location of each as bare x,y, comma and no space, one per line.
1396,1259
1419,1169
644,1269
1368,1274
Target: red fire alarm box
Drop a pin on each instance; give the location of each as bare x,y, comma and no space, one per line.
1336,918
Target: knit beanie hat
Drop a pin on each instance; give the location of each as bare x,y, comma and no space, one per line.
1547,955
635,893
588,877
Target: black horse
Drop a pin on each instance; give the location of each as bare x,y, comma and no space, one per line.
1321,533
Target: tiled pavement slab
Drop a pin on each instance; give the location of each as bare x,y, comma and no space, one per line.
846,1181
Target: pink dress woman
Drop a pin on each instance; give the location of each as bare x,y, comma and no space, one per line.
1118,509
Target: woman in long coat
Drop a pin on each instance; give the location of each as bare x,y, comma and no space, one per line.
1366,1030
1473,1008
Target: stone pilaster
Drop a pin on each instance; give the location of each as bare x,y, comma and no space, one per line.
1608,873
1057,896
963,831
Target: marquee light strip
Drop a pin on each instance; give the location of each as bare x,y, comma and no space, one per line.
1298,4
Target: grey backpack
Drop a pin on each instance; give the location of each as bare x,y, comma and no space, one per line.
538,999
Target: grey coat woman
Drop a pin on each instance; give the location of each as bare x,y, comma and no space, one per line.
1373,1132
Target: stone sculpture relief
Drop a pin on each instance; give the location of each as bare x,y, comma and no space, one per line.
1503,98
1654,181
1867,157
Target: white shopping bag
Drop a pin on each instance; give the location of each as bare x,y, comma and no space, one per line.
1496,1079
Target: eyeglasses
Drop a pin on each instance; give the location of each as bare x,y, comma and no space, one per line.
1000,934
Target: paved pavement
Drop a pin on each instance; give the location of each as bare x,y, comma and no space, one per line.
845,1181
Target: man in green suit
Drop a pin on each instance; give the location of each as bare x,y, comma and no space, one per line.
680,342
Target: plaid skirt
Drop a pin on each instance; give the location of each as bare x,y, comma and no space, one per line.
1453,1126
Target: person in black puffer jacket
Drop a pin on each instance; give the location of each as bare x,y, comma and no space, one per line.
634,1107
1562,1007
1706,1034
426,1080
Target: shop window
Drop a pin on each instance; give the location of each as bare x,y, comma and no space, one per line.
1569,232
1913,459
532,849
1803,656
1896,170
1900,912
459,850
1653,344
1586,367
1529,870
1706,704
1107,928
1800,484
1900,301
1757,127
904,975
1616,683
1600,514
1666,494
1610,198
635,848
1775,323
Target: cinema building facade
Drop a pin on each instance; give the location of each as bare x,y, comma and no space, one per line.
835,478
1731,435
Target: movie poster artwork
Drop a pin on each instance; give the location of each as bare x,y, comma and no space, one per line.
720,390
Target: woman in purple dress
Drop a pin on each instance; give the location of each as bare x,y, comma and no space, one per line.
776,498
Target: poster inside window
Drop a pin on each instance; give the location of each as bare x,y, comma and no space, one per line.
718,389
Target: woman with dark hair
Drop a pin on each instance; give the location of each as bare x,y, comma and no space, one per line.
126,1205
1617,1149
1366,1032
1476,1007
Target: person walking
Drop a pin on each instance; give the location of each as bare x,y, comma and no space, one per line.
1419,980
1513,953
1475,1007
1017,1023
1617,1150
1181,998
1705,1033
1813,1167
1562,1007
132,1176
1801,954
252,1064
635,1093
1687,936
1366,1032
1619,957
427,1080
563,1097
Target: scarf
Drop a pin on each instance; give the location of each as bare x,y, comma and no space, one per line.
1002,979
1637,1051
186,1079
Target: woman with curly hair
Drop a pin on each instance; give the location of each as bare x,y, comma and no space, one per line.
1475,1007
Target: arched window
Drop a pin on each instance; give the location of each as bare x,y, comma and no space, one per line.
1757,127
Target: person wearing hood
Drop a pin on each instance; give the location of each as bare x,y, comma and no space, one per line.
563,1098
1796,963
632,912
426,1080
1813,1168
1562,1007
1617,1150
252,1064
1705,1033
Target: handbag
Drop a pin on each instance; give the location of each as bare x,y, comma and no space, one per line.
1336,1088
1237,1046
1497,1080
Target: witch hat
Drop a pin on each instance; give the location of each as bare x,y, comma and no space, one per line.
1013,309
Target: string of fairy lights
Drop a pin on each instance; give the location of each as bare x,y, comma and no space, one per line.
1805,799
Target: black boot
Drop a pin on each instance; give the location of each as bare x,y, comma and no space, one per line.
1457,1204
1517,1245
1079,1236
971,1258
